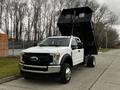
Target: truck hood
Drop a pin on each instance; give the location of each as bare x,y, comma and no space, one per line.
39,49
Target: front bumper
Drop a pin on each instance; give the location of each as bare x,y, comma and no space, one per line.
39,69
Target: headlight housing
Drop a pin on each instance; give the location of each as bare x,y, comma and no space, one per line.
21,58
56,57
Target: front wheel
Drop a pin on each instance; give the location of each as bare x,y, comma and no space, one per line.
65,73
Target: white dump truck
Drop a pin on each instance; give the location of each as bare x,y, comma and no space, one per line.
57,55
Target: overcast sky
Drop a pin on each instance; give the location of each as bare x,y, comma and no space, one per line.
114,6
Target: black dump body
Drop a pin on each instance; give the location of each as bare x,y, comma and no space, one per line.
77,22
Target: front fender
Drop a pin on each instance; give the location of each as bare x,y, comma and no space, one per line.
66,59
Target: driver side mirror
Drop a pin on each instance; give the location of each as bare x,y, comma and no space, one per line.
73,47
80,45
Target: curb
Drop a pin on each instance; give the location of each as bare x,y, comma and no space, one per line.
10,78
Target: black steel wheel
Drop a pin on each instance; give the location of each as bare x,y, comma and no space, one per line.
65,73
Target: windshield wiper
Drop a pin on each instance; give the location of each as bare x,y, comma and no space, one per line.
54,45
43,45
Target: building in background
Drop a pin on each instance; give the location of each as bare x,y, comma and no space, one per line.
3,44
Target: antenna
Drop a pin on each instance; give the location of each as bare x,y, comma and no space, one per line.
73,20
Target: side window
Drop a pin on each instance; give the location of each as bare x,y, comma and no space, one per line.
79,43
74,44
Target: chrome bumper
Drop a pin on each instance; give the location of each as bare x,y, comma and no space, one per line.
50,69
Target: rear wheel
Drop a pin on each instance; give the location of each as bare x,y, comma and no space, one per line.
65,73
91,62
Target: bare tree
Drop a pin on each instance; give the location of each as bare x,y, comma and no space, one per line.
1,11
22,13
107,19
37,4
29,24
38,19
6,17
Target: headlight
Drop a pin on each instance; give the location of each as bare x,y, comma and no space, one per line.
21,58
56,57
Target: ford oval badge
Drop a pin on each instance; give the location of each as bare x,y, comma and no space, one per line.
34,58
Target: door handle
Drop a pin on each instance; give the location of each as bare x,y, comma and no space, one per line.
78,50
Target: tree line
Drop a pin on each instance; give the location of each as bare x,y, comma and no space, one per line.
34,20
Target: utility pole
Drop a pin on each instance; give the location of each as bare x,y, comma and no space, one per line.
106,39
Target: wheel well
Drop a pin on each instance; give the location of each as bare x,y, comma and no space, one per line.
67,59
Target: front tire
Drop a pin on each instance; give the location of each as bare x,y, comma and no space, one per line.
65,73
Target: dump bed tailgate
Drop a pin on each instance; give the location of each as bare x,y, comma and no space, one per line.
77,22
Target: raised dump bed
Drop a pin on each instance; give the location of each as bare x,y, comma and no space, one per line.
77,22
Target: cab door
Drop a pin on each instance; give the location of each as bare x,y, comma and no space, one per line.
80,50
77,52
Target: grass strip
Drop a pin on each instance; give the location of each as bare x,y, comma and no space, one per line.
9,66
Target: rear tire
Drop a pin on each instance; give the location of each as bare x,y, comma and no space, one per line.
65,74
91,62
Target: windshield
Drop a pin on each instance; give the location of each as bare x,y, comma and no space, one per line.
56,42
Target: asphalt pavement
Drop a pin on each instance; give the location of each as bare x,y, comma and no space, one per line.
105,76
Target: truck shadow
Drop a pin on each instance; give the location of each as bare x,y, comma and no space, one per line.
56,80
